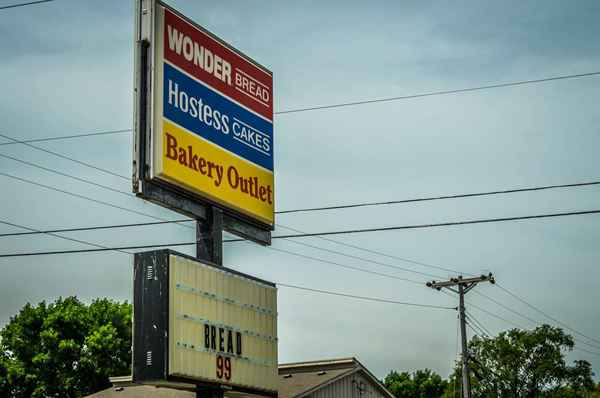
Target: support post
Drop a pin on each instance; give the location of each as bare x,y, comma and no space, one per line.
209,392
209,237
209,247
462,286
463,333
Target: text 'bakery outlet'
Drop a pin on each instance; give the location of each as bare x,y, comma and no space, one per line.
215,170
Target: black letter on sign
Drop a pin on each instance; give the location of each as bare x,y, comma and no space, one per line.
229,342
213,337
206,336
238,343
221,346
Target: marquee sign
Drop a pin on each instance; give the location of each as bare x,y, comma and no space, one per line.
197,322
208,125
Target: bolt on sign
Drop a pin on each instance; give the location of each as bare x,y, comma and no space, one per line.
207,117
218,325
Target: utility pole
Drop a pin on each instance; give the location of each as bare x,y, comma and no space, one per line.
462,286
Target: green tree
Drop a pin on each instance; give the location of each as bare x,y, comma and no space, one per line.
64,349
525,363
421,384
4,387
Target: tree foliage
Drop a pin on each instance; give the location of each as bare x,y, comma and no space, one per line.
515,364
526,363
64,349
420,384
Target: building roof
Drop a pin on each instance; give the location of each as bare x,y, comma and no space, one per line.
294,384
124,387
142,391
299,379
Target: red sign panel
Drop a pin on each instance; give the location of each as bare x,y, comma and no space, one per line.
200,55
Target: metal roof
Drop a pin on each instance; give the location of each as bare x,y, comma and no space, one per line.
296,384
296,380
306,377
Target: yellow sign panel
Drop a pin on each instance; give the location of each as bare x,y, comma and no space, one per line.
206,169
223,326
212,119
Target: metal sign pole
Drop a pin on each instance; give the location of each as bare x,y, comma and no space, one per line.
209,392
209,247
209,237
172,167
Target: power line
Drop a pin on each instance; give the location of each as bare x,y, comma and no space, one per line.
346,206
538,188
143,224
443,197
129,194
83,197
371,251
342,232
310,234
295,286
379,300
474,329
546,315
116,226
314,209
478,324
121,249
420,283
323,208
60,236
296,242
442,92
300,243
279,284
303,234
520,326
66,137
496,316
25,4
429,94
32,231
78,251
434,225
356,268
313,234
14,140
535,322
485,331
362,259
507,308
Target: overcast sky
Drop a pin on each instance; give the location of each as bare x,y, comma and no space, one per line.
67,68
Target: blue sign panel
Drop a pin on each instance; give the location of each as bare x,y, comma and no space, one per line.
216,118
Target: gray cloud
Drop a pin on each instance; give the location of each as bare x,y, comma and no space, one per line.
67,68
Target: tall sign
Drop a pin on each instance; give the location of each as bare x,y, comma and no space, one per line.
203,146
199,323
204,121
